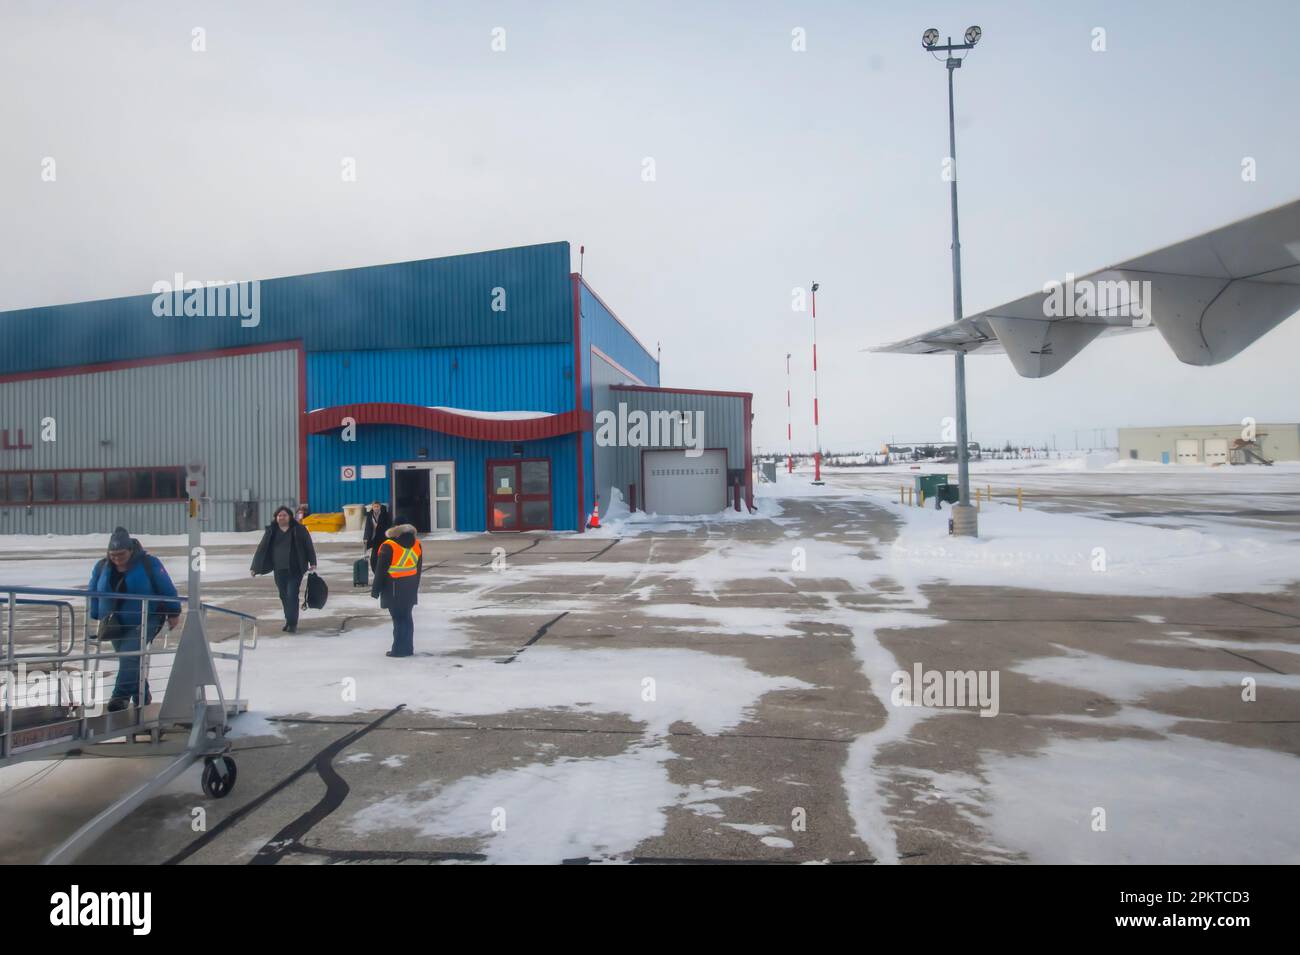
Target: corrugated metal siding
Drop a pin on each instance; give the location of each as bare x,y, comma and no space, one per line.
601,376
724,427
490,378
602,329
429,303
599,327
237,413
384,444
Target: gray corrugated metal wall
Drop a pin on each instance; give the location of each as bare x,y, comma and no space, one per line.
603,374
724,427
239,414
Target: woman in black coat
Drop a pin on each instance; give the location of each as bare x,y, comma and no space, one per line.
287,551
378,522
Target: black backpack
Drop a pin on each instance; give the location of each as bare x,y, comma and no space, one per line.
317,592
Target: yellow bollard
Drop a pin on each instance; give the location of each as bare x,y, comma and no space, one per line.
1020,501
977,500
900,494
920,498
988,493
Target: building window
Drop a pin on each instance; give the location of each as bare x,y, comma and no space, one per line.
20,488
89,486
92,486
68,485
167,485
119,485
141,485
1133,453
42,487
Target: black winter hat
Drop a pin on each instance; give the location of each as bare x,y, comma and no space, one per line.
121,540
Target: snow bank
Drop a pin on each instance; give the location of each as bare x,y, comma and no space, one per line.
1074,553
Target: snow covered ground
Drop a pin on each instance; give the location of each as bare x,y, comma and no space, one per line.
722,615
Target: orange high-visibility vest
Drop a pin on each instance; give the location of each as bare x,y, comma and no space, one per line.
405,560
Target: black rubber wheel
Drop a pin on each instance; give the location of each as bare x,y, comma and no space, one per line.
214,784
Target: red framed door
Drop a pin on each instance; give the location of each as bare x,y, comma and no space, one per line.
519,494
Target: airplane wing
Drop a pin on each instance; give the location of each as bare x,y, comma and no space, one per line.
1209,297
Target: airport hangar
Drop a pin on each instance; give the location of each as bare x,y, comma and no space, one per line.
1211,444
463,391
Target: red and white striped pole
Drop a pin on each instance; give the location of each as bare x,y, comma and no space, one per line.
789,419
817,425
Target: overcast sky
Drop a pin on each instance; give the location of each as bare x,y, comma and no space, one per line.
773,168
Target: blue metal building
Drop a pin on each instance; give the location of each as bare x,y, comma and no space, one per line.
459,390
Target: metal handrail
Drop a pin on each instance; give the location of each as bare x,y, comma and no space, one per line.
91,660
61,604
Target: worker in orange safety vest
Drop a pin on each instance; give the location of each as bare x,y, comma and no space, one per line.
397,584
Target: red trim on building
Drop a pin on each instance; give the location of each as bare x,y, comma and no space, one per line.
148,362
749,452
446,422
605,305
684,391
577,390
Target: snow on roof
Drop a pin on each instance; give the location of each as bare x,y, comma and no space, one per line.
497,415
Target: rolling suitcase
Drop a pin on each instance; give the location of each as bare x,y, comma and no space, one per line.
361,573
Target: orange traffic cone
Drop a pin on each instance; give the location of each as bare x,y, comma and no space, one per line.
594,520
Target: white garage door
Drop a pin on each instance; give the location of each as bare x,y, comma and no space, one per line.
1189,451
1216,450
677,484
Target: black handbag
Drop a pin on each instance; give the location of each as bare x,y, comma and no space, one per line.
317,592
110,628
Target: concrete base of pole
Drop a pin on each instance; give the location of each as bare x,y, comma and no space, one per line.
965,521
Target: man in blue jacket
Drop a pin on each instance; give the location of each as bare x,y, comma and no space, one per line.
129,570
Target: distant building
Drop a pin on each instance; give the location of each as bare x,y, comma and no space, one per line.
1210,444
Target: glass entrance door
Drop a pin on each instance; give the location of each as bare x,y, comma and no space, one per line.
424,495
519,494
444,497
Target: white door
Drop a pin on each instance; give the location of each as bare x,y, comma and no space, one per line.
443,495
677,484
1189,451
1216,450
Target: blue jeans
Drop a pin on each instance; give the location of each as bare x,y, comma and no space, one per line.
403,630
127,685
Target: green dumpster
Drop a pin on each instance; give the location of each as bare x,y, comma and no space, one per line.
946,494
928,485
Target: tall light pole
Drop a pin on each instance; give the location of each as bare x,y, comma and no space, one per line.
789,421
817,423
964,517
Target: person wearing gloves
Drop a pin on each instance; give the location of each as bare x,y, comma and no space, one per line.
128,569
287,551
397,584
